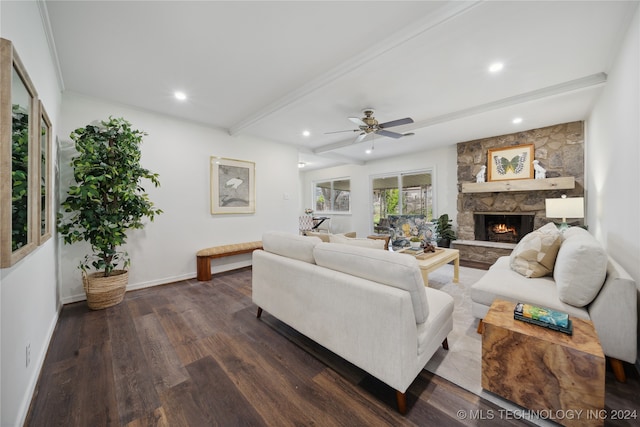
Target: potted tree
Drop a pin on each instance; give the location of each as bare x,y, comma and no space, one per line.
106,201
444,231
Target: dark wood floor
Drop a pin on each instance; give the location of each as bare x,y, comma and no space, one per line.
194,354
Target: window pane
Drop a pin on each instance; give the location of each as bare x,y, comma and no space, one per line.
333,196
341,195
385,198
417,195
401,194
323,196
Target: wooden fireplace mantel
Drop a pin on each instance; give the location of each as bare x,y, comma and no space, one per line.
560,183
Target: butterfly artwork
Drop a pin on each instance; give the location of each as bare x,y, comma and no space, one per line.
515,165
510,162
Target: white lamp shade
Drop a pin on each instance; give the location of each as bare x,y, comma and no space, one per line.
565,208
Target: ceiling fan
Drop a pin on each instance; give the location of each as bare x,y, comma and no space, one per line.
368,124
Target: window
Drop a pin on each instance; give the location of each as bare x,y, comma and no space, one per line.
332,195
405,193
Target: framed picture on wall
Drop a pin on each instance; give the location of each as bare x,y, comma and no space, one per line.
515,162
232,186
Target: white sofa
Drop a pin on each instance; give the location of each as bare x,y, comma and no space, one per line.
369,306
586,283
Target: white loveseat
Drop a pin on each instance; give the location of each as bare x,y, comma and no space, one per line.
369,306
585,283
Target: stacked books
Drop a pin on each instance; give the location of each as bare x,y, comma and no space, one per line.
551,319
413,251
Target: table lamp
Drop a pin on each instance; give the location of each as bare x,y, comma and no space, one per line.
565,208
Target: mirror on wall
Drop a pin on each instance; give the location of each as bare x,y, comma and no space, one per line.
44,170
18,121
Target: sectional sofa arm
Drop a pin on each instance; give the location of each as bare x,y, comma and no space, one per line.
614,314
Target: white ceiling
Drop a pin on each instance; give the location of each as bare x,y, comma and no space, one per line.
273,69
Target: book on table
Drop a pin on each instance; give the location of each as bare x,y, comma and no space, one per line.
413,251
545,317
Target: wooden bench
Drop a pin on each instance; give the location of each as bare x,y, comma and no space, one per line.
204,256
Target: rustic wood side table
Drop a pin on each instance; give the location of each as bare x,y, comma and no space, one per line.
544,370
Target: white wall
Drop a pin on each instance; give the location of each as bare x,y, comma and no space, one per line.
29,293
180,152
443,161
613,157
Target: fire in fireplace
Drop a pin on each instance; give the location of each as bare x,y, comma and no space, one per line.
505,227
502,233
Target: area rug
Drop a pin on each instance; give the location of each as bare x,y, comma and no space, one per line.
462,363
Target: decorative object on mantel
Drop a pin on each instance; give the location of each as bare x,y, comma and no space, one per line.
481,176
539,171
565,208
509,163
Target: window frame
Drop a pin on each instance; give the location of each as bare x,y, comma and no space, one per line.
398,175
331,211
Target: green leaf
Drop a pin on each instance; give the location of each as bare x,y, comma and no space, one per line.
108,198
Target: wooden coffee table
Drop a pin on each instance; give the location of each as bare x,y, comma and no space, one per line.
544,370
431,261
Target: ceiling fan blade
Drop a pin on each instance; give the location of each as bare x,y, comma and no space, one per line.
389,134
360,137
340,131
357,121
398,122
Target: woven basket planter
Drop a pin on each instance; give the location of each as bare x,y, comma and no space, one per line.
103,292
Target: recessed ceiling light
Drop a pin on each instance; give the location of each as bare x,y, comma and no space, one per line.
301,164
180,95
517,120
306,133
368,150
496,66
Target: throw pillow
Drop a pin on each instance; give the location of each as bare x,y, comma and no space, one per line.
581,267
535,255
365,243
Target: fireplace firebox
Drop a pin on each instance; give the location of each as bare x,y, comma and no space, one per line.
504,227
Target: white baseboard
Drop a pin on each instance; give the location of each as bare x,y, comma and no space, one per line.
135,286
164,281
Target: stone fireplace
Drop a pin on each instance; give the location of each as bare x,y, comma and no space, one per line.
490,223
